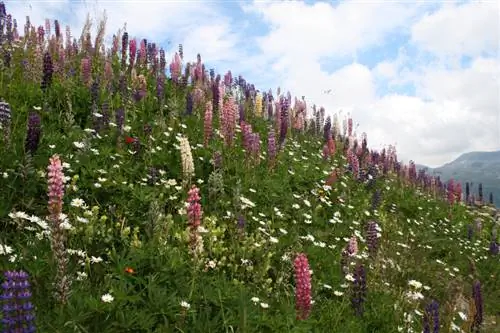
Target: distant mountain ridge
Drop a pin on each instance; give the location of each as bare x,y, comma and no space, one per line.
473,167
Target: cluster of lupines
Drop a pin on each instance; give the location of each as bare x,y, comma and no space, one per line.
17,310
431,318
358,296
33,133
194,216
302,286
55,193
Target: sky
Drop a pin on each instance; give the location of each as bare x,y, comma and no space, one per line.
420,75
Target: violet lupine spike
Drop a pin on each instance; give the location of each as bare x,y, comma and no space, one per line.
431,318
48,69
478,304
18,311
160,88
124,49
189,104
494,248
33,133
271,146
120,119
372,241
5,120
359,290
283,121
105,114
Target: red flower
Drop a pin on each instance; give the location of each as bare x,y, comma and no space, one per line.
129,140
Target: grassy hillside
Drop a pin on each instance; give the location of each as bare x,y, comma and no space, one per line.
136,201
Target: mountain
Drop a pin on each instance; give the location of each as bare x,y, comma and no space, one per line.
475,168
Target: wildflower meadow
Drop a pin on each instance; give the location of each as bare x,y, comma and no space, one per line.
143,192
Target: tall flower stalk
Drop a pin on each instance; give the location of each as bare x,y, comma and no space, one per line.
302,287
56,194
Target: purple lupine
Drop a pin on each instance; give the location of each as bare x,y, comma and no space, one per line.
5,120
283,121
217,160
372,231
189,104
241,223
105,114
271,146
33,134
431,316
120,119
48,69
359,289
478,304
160,88
124,49
327,129
18,311
494,247
152,176
376,199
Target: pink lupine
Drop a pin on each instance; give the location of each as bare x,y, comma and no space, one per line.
194,213
302,286
450,192
354,162
56,192
198,70
349,124
55,186
208,123
85,70
352,246
176,67
132,51
229,120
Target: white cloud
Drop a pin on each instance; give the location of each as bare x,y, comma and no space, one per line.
455,30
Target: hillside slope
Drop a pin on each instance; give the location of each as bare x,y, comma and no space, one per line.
475,168
133,201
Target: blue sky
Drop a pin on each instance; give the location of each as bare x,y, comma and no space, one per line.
411,73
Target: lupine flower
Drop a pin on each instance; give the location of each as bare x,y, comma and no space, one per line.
194,213
208,123
258,105
17,309
372,237
160,88
271,147
189,104
124,49
302,286
120,119
228,120
376,199
478,304
55,194
5,120
152,176
85,70
186,159
352,246
431,316
105,114
132,52
359,289
353,162
175,68
217,160
34,132
494,248
48,69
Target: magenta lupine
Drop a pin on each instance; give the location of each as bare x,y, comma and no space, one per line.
302,286
450,191
229,120
353,162
176,67
132,52
208,123
55,193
